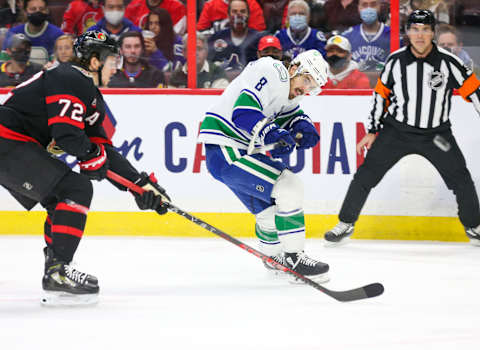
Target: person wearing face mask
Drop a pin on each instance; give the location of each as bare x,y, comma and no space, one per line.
370,40
137,11
81,15
299,36
114,23
41,33
234,47
343,73
18,68
448,38
214,16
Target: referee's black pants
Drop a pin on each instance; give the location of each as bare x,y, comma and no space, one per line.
390,146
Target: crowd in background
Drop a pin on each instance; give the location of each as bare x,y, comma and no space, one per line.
353,36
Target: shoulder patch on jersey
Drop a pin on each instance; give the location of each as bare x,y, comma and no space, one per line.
320,36
220,45
282,71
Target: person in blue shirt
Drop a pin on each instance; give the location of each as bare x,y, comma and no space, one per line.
370,40
114,22
299,37
41,33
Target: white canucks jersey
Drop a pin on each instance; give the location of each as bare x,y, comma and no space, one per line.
263,86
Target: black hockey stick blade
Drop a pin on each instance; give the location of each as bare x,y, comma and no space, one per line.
368,291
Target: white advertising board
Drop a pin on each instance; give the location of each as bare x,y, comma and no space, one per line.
158,133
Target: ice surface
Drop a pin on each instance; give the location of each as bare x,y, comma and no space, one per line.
174,293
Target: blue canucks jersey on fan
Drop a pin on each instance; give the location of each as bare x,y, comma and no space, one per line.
370,51
314,39
223,50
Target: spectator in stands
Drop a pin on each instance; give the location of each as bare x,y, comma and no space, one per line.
64,48
81,15
38,30
269,45
163,46
343,72
370,40
440,9
12,13
299,37
136,72
18,68
208,74
234,47
114,22
138,10
447,37
214,16
63,51
341,14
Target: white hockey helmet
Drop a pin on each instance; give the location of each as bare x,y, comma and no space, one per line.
312,62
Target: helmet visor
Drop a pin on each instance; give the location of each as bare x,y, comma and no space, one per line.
310,85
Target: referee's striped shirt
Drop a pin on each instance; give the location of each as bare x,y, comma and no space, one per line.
417,92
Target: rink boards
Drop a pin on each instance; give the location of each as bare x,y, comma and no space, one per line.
158,133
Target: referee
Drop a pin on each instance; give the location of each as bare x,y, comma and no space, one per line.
412,101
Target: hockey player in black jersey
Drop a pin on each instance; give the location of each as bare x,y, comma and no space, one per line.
61,110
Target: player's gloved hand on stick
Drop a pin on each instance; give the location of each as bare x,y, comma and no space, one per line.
304,133
95,163
154,197
271,133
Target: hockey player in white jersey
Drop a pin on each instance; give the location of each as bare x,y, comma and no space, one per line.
261,107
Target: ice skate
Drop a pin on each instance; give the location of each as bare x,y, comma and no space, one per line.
64,285
313,269
340,234
280,258
474,234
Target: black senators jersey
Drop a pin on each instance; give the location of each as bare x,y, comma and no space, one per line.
62,104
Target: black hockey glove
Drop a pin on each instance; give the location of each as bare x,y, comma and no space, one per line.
154,197
95,163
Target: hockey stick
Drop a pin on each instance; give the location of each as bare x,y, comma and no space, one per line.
368,291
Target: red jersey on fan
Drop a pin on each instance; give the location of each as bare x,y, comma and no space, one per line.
79,16
354,80
217,10
138,10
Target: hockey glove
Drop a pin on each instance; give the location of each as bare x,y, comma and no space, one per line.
154,197
271,133
304,132
95,164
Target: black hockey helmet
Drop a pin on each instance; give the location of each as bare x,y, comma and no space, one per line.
421,17
94,43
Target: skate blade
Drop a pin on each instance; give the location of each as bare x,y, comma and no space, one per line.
53,299
322,278
328,244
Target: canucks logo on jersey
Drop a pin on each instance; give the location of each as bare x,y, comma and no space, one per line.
370,51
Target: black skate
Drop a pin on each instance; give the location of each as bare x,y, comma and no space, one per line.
64,285
474,235
339,234
301,263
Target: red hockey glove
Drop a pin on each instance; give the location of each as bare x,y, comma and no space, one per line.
95,164
154,197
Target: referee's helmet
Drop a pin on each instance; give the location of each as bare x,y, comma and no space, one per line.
421,17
